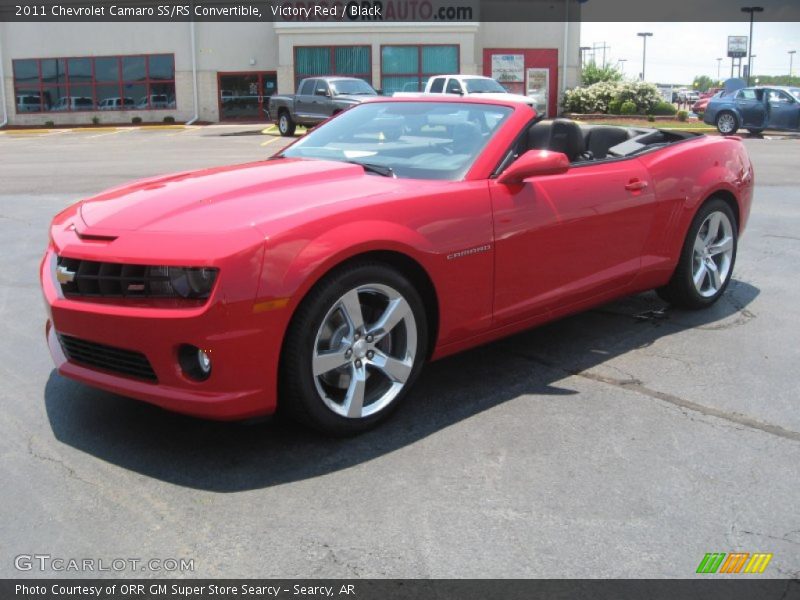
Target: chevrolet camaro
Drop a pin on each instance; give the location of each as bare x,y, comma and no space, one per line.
319,281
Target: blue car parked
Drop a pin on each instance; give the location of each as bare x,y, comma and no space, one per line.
755,109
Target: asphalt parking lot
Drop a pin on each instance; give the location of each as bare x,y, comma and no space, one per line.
627,441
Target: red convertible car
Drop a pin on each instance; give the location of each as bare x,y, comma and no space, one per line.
319,281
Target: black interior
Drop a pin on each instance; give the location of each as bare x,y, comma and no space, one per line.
584,143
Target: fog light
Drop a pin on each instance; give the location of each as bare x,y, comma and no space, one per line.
204,361
195,362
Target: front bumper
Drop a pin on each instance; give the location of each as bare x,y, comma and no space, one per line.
243,343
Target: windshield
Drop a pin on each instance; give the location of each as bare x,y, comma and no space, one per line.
351,87
483,86
795,92
416,140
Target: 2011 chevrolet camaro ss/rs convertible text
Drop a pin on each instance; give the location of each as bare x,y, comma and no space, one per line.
320,280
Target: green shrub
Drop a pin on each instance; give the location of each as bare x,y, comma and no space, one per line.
628,108
614,107
136,120
664,108
682,115
95,120
592,99
49,124
651,118
169,119
644,95
591,74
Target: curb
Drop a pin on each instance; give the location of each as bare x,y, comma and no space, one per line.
44,130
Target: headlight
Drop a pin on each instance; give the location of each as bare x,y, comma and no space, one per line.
192,282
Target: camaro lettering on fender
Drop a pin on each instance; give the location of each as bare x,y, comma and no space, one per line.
469,251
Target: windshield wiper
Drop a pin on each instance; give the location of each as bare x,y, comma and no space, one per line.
372,168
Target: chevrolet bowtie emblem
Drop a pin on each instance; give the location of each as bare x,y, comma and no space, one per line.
64,275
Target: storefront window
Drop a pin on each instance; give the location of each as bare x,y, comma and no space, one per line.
319,61
144,82
407,68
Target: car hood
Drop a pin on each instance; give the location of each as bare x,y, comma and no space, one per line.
504,96
356,98
230,198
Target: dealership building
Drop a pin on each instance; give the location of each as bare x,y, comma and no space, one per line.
72,73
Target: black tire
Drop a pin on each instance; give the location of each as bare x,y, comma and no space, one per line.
300,397
723,118
681,290
286,126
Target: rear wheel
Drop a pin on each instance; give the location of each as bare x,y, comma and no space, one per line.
727,123
354,348
707,258
286,126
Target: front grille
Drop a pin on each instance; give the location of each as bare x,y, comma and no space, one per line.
112,280
123,362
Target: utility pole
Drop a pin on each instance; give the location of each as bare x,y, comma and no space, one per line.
644,35
752,10
583,49
602,47
791,56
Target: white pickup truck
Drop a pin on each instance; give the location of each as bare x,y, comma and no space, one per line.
468,85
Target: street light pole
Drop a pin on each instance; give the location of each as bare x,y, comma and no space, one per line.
621,62
719,67
791,56
752,10
644,35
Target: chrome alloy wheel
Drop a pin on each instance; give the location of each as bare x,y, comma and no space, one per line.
726,123
713,253
364,350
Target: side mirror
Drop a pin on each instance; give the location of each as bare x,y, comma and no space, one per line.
533,163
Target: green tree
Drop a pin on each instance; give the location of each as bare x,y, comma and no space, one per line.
591,73
701,83
777,80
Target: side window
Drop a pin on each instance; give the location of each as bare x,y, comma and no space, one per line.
321,89
307,87
453,87
746,95
778,97
437,87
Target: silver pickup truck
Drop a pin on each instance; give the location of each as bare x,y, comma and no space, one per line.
317,99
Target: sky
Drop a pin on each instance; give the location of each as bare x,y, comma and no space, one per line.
679,51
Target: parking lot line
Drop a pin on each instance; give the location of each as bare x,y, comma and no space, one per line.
270,141
115,132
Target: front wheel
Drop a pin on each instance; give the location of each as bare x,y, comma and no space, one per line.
353,350
286,126
707,258
727,123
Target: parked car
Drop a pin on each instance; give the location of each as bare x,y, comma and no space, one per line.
154,101
468,85
116,104
317,99
73,103
755,109
28,103
699,107
403,230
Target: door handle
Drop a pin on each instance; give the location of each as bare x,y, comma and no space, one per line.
636,185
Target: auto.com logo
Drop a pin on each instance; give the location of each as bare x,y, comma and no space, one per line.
735,563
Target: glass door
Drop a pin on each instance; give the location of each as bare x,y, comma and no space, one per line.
244,96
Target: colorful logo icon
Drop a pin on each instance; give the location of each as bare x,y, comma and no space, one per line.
736,562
